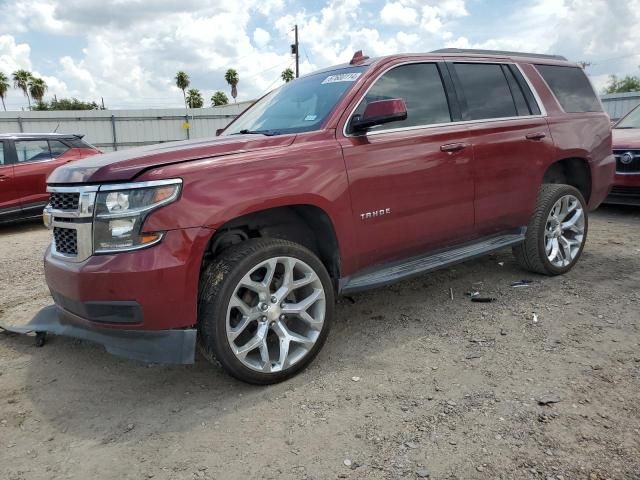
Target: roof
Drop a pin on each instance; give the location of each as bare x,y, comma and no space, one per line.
500,53
18,136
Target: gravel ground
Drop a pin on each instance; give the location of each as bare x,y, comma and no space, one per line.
411,384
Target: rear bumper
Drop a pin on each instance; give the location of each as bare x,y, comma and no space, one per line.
154,346
602,175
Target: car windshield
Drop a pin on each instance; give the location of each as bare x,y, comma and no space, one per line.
630,121
298,106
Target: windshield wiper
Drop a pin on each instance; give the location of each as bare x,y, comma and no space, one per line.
268,133
624,128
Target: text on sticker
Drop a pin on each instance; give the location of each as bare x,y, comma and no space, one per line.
342,77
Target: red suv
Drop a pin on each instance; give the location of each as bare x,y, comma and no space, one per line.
26,160
349,178
626,149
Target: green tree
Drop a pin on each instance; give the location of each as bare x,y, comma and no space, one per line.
287,75
232,78
629,83
194,98
183,82
67,104
37,88
4,88
219,98
21,81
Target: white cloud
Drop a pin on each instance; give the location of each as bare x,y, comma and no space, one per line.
395,13
130,55
13,56
261,37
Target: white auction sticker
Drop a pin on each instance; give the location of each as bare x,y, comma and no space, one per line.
342,77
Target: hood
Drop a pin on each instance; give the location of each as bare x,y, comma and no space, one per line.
124,165
624,138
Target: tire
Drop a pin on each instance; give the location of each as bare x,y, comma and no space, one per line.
533,254
236,310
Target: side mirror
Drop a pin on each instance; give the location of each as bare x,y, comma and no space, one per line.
219,131
379,113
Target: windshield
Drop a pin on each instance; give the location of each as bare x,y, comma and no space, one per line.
298,106
630,121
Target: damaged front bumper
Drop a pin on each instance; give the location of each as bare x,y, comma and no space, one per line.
151,346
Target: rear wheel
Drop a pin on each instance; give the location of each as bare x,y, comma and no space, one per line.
557,232
264,310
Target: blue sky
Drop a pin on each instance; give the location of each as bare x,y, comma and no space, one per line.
128,51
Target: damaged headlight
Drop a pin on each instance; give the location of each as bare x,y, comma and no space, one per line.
121,210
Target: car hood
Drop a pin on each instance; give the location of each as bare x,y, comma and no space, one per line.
626,138
126,164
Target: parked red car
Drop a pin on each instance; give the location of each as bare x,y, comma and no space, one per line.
349,178
26,160
626,149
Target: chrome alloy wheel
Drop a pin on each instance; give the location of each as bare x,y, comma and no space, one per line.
275,314
564,231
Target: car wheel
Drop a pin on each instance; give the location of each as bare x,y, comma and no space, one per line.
265,308
557,232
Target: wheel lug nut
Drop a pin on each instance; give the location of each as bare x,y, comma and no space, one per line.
282,305
273,324
263,319
282,317
264,307
274,299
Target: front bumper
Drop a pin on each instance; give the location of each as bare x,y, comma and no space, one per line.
625,191
150,289
152,346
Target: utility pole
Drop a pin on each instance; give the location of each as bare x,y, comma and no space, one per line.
295,50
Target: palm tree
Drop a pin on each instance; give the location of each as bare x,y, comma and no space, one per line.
194,98
37,88
183,82
219,98
232,79
288,75
21,81
4,88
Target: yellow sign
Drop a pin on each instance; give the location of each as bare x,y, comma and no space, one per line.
186,125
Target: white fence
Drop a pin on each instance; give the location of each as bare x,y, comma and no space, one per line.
120,129
617,105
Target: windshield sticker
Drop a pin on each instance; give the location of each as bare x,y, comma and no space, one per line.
310,118
342,77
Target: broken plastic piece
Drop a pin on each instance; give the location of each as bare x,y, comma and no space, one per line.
358,57
478,299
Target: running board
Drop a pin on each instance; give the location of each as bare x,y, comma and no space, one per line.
393,272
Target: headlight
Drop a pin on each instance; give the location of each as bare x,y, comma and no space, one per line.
122,209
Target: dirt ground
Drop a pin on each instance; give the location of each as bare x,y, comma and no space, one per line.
411,384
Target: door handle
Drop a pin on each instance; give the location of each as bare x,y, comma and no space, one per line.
453,147
3,178
536,136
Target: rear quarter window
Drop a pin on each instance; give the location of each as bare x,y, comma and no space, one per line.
571,87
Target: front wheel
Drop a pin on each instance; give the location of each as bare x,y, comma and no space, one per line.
557,232
264,311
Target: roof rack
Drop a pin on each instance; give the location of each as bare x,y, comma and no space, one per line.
500,52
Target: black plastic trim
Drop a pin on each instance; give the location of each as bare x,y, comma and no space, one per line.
151,346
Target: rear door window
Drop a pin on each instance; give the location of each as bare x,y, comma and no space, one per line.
420,86
3,158
32,150
486,91
571,87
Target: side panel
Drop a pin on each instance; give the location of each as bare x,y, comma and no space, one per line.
308,172
9,204
508,170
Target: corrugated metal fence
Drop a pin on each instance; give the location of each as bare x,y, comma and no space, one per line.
119,129
617,105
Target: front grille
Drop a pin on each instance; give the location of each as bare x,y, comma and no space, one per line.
64,200
623,165
66,240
